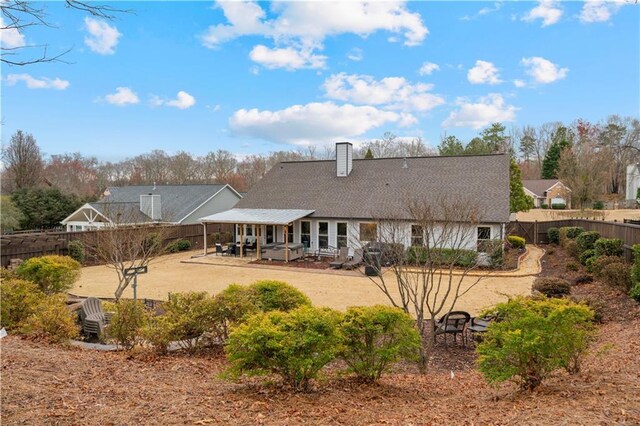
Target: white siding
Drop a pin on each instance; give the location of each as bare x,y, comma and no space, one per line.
344,159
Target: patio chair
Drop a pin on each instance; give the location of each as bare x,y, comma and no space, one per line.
343,255
477,327
220,250
355,261
92,316
453,323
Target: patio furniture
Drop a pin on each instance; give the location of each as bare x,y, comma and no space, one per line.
355,261
92,316
277,251
220,250
477,327
328,251
233,250
343,255
453,323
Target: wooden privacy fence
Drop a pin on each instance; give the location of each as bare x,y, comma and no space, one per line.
25,246
536,232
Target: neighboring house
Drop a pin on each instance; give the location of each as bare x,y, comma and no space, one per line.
633,183
547,192
175,204
336,203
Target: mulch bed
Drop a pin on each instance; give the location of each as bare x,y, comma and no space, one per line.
49,384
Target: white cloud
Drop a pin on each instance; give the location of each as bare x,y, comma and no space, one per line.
313,123
355,54
123,96
519,83
542,70
102,38
183,100
37,83
305,25
599,11
428,68
391,92
10,38
484,73
287,58
488,109
484,11
547,10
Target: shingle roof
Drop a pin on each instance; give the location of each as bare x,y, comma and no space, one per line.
539,186
177,201
381,187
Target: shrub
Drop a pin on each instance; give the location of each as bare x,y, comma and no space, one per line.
126,323
495,250
158,331
572,266
232,306
598,205
516,242
544,206
599,263
552,287
586,255
294,345
52,320
583,279
53,274
533,338
598,307
192,314
634,293
178,246
20,299
616,275
608,247
635,271
375,337
558,206
442,256
586,240
554,235
277,295
76,251
569,233
571,248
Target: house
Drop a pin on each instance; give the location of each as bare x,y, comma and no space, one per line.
337,203
547,192
173,204
633,183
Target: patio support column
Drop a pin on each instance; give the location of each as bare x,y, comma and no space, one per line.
286,243
205,237
258,249
241,241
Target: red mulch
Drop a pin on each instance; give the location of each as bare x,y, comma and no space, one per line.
47,384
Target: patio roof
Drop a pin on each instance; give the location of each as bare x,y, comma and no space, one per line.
257,216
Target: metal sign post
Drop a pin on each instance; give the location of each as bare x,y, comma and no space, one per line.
133,272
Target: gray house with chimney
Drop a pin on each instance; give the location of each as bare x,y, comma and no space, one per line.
341,202
144,204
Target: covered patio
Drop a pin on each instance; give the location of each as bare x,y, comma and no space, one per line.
257,218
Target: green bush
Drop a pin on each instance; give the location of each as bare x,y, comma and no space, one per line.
569,233
533,338
294,345
599,263
598,205
586,255
53,274
616,275
191,314
375,337
442,256
572,266
571,247
270,295
594,303
552,287
558,206
158,332
586,240
544,206
634,293
20,299
516,242
76,251
635,271
232,306
553,234
178,246
52,320
127,322
608,247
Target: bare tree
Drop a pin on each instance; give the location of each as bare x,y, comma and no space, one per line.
428,279
22,160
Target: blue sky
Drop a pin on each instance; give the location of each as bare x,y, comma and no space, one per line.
259,77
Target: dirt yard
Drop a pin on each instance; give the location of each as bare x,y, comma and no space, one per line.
609,215
335,289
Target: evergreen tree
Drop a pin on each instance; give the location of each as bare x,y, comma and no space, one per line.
451,145
562,139
494,138
368,155
518,200
44,208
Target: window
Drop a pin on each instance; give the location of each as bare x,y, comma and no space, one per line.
484,234
248,229
290,233
305,233
269,234
342,234
323,234
417,235
368,232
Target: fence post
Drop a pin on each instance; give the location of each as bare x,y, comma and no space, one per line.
535,233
